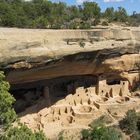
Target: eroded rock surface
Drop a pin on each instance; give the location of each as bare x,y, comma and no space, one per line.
31,55
77,110
72,76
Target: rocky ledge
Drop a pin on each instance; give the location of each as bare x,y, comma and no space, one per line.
64,79
29,55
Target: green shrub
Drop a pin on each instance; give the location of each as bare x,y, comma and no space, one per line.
105,23
40,22
85,134
7,113
22,132
104,119
129,123
73,25
96,22
109,14
82,44
98,131
56,26
101,133
85,26
61,136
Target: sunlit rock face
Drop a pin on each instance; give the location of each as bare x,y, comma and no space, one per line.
31,55
64,79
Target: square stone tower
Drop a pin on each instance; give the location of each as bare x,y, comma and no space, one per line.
124,88
102,87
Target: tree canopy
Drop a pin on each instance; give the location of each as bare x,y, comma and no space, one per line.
8,117
22,132
7,113
47,14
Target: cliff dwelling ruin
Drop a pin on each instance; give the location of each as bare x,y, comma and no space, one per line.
68,99
59,85
83,86
52,90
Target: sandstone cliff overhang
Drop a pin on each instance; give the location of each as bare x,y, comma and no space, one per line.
28,55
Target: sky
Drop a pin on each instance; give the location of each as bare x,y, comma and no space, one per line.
129,5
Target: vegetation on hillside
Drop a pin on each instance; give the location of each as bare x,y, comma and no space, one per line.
99,131
130,125
22,132
47,14
8,117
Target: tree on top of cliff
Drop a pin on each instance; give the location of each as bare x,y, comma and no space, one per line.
48,14
91,10
121,15
109,14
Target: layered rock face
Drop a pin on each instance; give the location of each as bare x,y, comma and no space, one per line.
75,75
30,55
